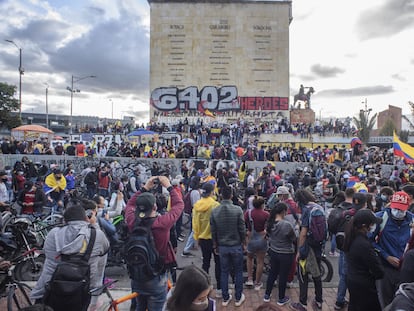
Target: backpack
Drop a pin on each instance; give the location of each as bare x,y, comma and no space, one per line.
188,207
337,221
142,258
68,289
317,225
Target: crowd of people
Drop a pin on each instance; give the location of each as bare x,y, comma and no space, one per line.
261,213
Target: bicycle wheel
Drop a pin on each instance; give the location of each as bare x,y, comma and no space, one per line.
30,269
18,297
54,219
326,270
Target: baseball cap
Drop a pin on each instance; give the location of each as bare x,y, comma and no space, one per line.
145,202
366,217
3,173
282,190
400,200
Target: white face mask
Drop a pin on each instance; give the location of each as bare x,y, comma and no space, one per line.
372,228
398,214
199,305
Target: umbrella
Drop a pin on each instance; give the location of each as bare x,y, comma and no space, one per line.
355,141
33,128
187,141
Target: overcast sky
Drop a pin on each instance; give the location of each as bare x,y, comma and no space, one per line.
347,50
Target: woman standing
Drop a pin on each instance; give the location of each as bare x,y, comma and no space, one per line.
364,265
256,220
281,242
191,292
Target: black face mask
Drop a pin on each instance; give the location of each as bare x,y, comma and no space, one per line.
58,178
4,180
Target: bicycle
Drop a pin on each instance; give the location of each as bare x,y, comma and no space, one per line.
15,292
113,303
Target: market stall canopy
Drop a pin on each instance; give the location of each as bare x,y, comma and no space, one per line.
31,132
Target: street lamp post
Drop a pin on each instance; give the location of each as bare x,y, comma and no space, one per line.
72,90
112,107
21,72
47,107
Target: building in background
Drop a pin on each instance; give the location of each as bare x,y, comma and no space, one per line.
219,61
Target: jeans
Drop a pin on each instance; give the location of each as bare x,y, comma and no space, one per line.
207,250
333,243
231,257
190,242
152,294
342,271
280,265
387,286
91,191
304,280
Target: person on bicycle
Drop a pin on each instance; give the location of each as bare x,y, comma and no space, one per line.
55,185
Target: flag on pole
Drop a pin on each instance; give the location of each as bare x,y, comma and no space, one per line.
403,150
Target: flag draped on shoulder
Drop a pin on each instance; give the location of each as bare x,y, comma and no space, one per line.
403,150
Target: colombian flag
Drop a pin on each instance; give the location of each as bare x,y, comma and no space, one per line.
403,150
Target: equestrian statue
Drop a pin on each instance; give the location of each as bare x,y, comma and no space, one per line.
304,97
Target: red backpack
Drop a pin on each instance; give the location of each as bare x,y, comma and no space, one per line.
188,207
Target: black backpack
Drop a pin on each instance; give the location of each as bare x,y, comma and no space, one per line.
69,286
337,221
142,258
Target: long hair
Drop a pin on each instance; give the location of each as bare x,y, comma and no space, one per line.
304,196
191,282
279,208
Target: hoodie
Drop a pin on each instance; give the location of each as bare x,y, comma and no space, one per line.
72,238
404,298
201,217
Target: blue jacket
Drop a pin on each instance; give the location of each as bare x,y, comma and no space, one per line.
393,238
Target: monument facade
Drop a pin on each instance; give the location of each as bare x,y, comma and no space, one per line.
219,61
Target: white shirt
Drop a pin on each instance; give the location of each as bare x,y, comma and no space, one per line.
4,195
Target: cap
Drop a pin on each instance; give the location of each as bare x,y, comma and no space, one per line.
208,188
145,202
366,217
282,190
28,185
57,171
3,173
400,201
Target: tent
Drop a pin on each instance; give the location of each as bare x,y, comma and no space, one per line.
31,132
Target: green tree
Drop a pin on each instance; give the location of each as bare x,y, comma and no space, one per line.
364,124
8,104
388,128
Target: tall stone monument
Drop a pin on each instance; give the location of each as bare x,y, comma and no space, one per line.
219,61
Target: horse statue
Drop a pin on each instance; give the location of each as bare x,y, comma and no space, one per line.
304,97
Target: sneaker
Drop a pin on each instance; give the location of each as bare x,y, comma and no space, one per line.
340,306
239,302
297,306
219,293
282,302
333,254
258,286
231,285
249,283
266,298
225,303
317,304
181,239
289,285
187,255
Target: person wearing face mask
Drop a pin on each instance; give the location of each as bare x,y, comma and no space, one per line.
390,239
32,199
55,185
191,292
364,264
383,198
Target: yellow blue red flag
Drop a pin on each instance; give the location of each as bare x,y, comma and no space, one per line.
403,150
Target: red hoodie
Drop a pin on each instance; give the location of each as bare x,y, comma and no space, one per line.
161,226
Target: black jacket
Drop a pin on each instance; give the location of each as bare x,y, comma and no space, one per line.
364,264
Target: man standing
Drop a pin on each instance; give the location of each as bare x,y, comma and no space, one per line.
228,231
390,240
104,180
142,208
55,185
202,231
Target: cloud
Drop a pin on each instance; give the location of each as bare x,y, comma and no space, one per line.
398,77
326,71
391,18
359,91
